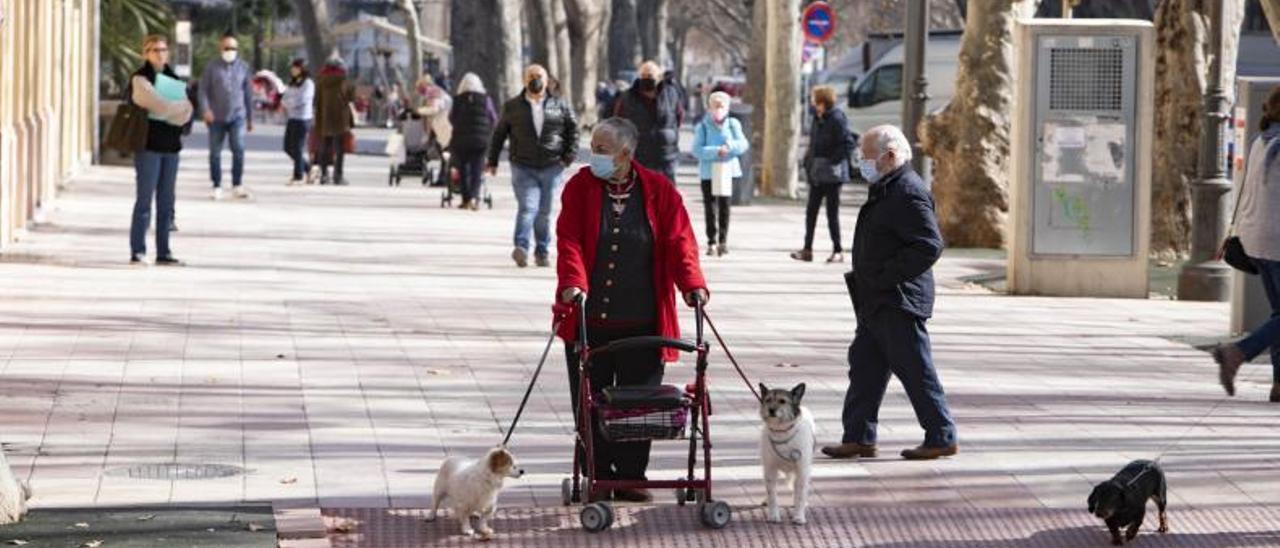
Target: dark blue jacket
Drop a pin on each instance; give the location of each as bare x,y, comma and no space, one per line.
895,245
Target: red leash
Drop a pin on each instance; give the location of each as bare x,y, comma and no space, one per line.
727,352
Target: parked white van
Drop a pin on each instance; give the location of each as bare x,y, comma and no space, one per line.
876,97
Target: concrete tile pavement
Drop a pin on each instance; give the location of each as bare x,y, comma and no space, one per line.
336,343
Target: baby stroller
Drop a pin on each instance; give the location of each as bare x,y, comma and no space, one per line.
455,188
422,155
632,413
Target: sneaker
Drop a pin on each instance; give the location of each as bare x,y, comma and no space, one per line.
242,193
722,249
137,259
313,175
475,205
216,194
805,255
520,256
836,257
168,260
1229,358
173,227
542,260
711,250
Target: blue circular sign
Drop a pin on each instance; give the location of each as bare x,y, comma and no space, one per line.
818,22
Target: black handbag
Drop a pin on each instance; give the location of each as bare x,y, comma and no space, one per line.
128,131
1232,250
826,172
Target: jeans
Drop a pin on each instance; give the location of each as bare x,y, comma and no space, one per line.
717,228
295,140
536,191
895,342
331,153
818,194
156,173
616,460
232,131
1267,335
470,164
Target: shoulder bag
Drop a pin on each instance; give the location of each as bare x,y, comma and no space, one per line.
1232,251
128,131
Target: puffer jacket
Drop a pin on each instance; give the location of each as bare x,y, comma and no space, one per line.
557,143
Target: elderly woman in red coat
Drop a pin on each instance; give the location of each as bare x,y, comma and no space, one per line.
625,245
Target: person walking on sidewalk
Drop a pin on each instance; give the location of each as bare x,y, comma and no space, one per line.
718,141
544,141
1257,224
826,164
472,118
626,245
434,105
895,245
298,98
653,104
156,165
334,95
226,99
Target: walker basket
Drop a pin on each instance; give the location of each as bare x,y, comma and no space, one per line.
642,424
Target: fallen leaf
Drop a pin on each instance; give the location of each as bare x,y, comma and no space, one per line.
147,517
95,543
289,480
255,527
345,525
280,356
437,372
18,542
82,525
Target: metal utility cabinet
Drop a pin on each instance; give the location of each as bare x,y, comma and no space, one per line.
1080,180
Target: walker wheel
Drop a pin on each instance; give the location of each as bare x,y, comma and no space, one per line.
596,517
566,492
715,514
680,496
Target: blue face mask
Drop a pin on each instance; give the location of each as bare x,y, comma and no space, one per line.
868,169
602,165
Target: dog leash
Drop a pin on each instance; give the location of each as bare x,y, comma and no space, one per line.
524,401
728,353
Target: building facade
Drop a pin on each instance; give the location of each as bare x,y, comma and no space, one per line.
48,104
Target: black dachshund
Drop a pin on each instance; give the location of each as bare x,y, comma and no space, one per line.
1122,501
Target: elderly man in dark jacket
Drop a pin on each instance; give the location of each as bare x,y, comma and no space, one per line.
544,141
895,244
654,105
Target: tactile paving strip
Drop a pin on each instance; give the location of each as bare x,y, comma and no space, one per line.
671,526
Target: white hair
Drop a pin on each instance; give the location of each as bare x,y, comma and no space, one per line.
619,132
889,138
470,83
720,97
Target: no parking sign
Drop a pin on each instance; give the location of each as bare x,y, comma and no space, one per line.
818,22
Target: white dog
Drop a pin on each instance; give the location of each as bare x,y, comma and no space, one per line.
471,489
13,494
786,448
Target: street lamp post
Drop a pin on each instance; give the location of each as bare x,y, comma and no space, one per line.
1205,278
915,83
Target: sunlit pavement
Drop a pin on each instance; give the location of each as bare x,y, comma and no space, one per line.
332,344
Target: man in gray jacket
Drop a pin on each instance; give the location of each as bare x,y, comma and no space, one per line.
226,105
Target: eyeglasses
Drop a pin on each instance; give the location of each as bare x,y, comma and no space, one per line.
229,49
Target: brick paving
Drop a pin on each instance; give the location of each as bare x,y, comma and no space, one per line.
337,343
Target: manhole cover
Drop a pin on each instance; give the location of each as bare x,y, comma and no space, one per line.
176,471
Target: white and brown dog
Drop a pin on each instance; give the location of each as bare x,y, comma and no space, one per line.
470,489
786,448
13,494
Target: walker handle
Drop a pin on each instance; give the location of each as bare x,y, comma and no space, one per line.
644,343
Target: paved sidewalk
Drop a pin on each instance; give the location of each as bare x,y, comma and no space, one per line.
335,343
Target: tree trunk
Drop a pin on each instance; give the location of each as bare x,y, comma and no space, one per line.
782,118
587,22
497,24
564,53
1182,67
678,36
624,37
412,30
313,15
13,494
754,93
651,18
969,139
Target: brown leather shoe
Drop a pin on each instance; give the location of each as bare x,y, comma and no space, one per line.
850,450
1229,358
632,495
929,453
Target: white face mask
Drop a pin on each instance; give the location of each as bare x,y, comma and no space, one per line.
229,56
720,113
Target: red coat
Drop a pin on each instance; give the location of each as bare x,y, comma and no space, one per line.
675,248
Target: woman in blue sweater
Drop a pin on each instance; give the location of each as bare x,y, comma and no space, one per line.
718,141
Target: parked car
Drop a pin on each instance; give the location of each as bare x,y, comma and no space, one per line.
875,98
